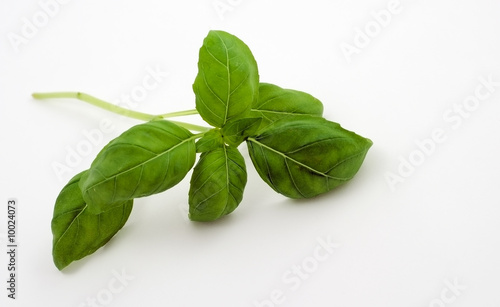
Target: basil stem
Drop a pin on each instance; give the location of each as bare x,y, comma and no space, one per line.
119,110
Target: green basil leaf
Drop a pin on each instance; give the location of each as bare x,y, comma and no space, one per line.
305,157
237,131
146,159
217,184
228,81
275,103
211,140
78,233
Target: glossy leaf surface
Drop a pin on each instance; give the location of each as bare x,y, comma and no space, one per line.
275,103
146,159
217,184
227,82
302,158
78,233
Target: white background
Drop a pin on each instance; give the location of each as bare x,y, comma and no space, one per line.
430,239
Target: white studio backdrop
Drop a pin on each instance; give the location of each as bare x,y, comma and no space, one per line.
417,226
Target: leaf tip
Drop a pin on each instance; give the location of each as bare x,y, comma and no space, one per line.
59,262
369,143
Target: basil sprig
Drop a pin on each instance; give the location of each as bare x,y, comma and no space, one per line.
296,151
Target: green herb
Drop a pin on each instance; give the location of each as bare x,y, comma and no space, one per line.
275,103
217,184
228,81
146,159
294,149
78,233
322,158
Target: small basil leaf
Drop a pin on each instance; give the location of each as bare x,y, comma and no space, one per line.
209,141
305,157
78,233
146,159
217,184
275,103
237,131
228,81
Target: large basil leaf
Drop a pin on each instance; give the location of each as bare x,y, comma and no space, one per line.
146,159
305,157
228,81
78,233
275,103
217,184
